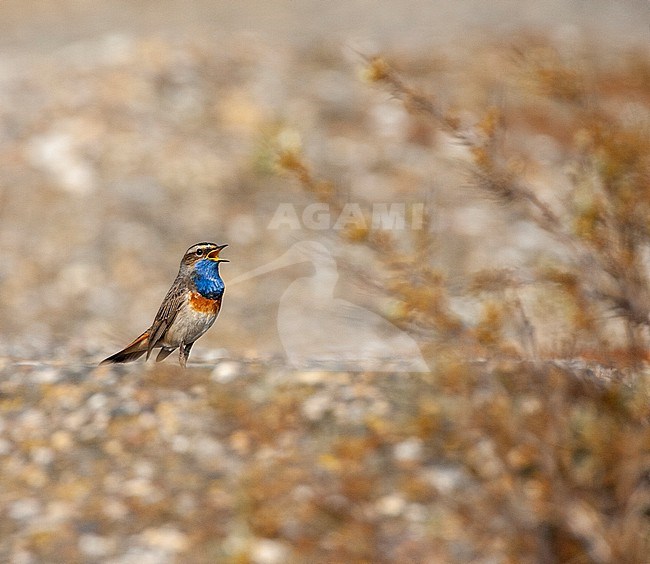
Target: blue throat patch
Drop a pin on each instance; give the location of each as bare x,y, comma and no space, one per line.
207,280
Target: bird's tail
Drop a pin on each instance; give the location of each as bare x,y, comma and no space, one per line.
131,352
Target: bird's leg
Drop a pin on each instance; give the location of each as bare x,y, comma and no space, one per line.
184,353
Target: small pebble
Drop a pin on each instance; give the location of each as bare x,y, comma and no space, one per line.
96,546
409,450
97,402
315,407
445,479
42,455
226,371
26,508
391,505
166,538
267,551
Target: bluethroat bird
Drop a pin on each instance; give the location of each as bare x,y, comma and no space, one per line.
188,310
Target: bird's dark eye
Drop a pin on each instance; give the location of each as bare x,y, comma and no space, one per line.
199,252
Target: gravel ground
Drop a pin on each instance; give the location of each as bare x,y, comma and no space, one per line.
251,462
138,130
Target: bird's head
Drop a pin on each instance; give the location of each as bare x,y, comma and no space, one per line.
203,251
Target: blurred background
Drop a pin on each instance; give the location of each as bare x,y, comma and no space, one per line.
130,130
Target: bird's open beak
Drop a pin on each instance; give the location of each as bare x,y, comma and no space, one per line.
214,255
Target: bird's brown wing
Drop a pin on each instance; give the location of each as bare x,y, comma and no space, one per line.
167,313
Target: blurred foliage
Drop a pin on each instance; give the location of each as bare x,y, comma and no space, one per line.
600,228
560,450
511,450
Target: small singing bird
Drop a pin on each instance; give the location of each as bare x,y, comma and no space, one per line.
188,310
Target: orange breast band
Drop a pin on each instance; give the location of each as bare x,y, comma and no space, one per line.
204,305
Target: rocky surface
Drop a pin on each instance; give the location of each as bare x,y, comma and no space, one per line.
125,138
249,461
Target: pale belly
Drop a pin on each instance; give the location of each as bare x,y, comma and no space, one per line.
188,326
